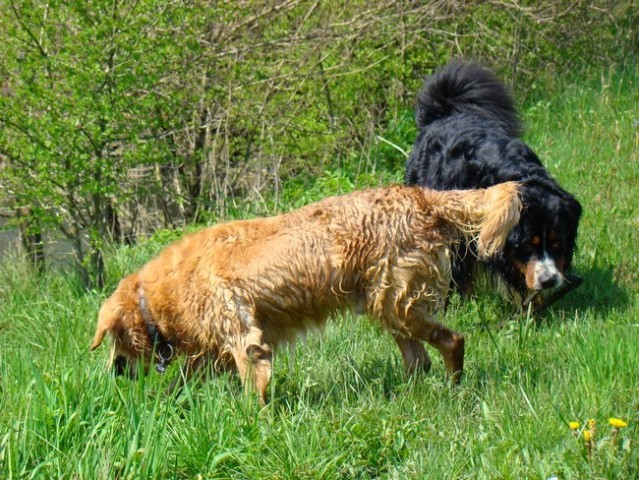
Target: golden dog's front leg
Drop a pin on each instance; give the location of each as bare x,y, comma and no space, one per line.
254,360
448,342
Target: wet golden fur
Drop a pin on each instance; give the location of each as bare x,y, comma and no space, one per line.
232,292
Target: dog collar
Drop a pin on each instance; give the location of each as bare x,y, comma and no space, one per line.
164,351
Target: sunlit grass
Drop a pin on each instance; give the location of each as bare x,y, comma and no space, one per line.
341,406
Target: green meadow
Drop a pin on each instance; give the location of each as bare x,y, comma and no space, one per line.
341,406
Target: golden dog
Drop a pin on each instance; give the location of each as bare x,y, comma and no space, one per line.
231,293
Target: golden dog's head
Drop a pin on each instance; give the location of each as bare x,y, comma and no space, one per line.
121,317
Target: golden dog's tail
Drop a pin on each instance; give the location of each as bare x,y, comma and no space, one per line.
486,215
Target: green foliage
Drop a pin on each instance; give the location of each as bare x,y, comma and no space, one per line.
341,406
80,97
119,118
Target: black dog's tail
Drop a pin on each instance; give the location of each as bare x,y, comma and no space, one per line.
461,87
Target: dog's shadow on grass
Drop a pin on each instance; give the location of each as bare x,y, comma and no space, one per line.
600,293
348,381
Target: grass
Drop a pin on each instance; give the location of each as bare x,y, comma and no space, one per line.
340,405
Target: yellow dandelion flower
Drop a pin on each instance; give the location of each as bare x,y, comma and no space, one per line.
574,425
591,423
587,435
617,422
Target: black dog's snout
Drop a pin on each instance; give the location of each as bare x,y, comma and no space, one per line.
551,282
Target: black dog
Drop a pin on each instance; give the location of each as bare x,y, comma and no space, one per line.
469,138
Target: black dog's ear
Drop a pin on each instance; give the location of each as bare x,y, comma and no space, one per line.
573,211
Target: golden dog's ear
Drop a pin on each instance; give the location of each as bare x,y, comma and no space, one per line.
107,319
97,339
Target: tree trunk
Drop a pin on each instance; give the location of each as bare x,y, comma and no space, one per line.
31,239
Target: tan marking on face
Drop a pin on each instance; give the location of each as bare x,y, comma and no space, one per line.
530,274
527,270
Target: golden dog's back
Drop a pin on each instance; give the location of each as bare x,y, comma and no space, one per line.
233,291
296,267
370,250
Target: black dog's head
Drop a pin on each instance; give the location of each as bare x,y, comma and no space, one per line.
470,138
539,250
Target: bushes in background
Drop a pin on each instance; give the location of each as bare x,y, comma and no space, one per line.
115,121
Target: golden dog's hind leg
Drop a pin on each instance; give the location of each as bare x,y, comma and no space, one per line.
254,360
451,345
448,342
413,353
